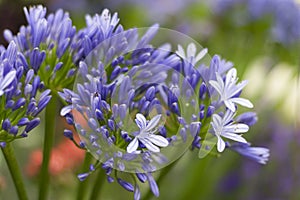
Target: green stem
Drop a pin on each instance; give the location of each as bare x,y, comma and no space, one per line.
50,118
83,185
15,172
164,172
98,184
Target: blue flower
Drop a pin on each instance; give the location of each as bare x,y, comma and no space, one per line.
146,135
230,89
22,96
258,154
224,127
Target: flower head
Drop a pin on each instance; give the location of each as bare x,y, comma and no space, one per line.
225,127
20,101
146,135
229,90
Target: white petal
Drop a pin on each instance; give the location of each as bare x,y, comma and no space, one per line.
180,52
238,128
235,137
220,145
230,105
217,120
228,116
191,50
200,55
230,77
217,86
158,140
7,79
153,123
242,102
149,145
133,145
140,121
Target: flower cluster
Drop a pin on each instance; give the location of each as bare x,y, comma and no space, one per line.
20,101
136,107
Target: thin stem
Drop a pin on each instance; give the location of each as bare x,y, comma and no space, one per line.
98,184
50,118
83,185
15,172
164,172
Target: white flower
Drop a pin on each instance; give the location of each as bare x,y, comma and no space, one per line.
190,55
6,80
229,89
146,135
224,127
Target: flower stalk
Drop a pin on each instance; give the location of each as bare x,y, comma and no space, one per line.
14,169
50,117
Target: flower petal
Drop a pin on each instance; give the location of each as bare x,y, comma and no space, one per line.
7,79
158,140
153,123
238,128
221,144
133,145
230,77
242,102
149,145
230,105
141,121
233,136
216,85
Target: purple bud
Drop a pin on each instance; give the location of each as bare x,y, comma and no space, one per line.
115,72
128,186
2,144
21,102
93,124
29,76
92,167
9,104
68,134
14,130
249,118
150,93
71,72
153,185
137,193
110,179
23,122
142,177
202,91
210,111
35,86
83,176
6,125
183,134
32,124
58,66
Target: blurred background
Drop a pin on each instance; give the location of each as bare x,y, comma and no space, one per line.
261,38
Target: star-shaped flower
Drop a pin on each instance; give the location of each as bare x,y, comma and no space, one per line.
224,127
146,135
229,89
190,54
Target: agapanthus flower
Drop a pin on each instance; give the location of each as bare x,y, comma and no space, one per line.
46,42
146,135
258,154
230,89
20,101
224,127
125,77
